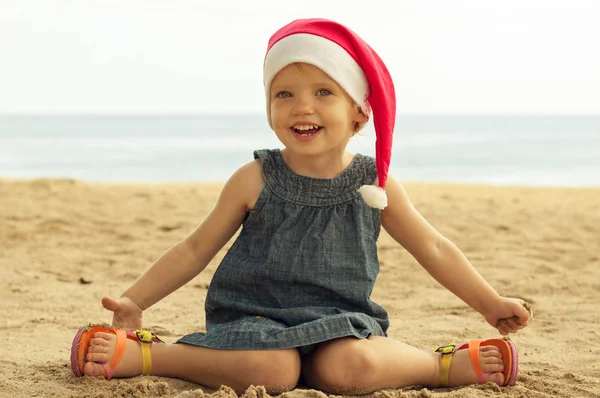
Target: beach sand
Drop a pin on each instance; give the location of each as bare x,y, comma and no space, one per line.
64,244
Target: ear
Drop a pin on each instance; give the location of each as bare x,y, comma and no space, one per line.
361,118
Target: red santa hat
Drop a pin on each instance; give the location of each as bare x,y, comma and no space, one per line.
355,66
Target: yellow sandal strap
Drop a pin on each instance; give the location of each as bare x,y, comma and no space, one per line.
445,371
146,359
146,339
446,351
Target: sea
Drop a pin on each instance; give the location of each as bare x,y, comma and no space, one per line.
534,150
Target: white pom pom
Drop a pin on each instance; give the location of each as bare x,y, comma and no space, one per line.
373,196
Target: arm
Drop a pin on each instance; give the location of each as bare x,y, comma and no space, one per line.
440,257
187,258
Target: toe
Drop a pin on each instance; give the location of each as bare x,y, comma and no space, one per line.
98,349
105,336
93,369
490,361
492,366
497,378
99,341
97,357
490,350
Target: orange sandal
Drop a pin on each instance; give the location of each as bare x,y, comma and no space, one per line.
510,357
81,343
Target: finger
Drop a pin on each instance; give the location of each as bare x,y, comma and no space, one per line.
510,329
502,330
511,325
514,326
110,304
502,322
524,313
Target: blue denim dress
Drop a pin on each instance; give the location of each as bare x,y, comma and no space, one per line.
302,269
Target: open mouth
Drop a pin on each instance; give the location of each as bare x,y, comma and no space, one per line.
306,131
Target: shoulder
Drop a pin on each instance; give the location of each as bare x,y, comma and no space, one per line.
366,167
245,184
268,158
365,160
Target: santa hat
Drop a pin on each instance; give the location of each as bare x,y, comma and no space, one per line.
354,65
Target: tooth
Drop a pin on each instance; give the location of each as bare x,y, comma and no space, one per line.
306,127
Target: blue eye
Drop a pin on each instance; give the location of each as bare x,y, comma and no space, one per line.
323,91
284,94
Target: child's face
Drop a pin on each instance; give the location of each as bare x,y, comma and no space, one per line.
310,113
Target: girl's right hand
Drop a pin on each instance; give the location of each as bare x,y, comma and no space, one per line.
126,313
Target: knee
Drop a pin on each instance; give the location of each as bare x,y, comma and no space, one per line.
277,371
350,368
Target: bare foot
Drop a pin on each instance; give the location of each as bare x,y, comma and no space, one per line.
102,349
461,368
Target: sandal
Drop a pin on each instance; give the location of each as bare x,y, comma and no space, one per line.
81,343
507,348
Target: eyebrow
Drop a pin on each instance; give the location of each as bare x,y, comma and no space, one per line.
324,82
329,84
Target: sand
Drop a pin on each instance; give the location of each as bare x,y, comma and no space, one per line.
64,244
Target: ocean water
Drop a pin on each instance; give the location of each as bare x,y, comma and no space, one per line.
515,150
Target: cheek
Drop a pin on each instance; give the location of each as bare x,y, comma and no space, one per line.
276,118
344,117
279,124
276,109
275,115
280,112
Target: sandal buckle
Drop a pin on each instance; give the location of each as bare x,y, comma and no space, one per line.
446,349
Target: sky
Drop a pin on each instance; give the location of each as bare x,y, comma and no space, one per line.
195,56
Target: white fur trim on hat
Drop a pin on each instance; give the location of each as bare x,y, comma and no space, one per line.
373,196
325,55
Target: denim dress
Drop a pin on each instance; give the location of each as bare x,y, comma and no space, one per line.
302,269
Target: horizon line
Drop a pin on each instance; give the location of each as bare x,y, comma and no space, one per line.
233,113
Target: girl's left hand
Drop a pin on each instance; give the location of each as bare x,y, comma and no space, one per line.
508,315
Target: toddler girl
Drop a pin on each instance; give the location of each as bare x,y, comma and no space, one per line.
291,299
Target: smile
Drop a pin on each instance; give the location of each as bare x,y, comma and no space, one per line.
306,130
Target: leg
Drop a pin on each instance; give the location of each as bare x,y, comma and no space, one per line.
277,370
354,366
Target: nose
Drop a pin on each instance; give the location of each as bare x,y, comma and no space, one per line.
303,105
